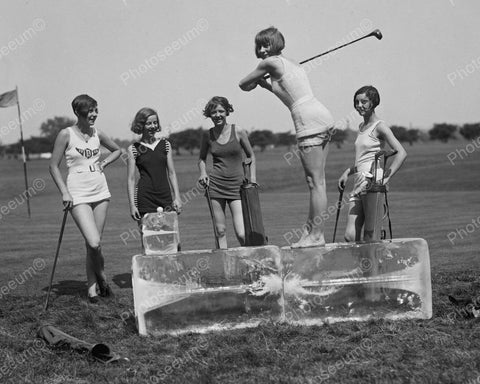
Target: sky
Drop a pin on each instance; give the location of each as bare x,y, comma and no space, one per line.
174,55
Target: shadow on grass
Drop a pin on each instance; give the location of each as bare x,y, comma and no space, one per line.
124,280
68,287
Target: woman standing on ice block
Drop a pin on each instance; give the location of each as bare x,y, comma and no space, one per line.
86,192
226,143
372,136
313,122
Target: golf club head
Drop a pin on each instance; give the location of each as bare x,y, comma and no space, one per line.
377,34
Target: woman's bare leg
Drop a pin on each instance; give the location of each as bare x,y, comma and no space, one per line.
90,222
313,161
218,206
237,218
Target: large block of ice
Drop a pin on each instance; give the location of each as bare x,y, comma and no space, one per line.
206,290
160,233
240,287
385,279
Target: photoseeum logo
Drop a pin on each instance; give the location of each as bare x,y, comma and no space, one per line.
151,62
37,106
464,232
38,185
38,265
38,25
464,152
464,72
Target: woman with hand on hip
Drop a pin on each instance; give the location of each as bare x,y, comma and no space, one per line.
86,192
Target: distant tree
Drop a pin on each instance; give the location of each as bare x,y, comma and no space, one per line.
442,132
339,137
470,131
37,145
413,135
50,128
188,139
285,139
262,138
401,133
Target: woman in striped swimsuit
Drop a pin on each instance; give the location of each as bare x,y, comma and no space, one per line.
157,186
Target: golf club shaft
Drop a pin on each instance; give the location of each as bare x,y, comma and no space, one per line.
209,201
56,257
338,213
375,33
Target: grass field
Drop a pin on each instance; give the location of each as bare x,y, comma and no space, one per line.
430,198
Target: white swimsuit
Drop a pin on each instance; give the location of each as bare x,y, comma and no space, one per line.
85,182
309,115
366,146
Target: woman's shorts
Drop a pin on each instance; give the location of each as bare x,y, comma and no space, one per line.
318,139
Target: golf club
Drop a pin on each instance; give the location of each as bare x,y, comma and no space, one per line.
56,257
376,33
209,201
339,206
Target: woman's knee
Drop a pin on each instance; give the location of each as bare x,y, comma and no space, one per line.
93,243
315,181
221,230
349,236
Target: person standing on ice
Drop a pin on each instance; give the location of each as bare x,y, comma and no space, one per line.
226,143
86,191
372,136
313,122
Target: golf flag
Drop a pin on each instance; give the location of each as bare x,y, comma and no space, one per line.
8,99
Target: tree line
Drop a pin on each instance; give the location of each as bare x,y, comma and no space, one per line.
189,139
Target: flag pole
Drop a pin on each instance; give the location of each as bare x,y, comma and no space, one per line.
23,154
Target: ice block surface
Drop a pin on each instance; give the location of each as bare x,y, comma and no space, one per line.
240,287
160,233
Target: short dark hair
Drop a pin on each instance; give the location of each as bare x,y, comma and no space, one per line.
217,100
371,92
272,37
141,118
82,104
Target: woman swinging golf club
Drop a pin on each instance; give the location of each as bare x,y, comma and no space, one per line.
86,192
371,139
313,122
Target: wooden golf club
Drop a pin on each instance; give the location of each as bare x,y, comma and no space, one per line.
56,257
209,201
339,206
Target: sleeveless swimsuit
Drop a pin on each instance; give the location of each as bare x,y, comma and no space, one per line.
153,187
366,146
85,182
227,174
309,115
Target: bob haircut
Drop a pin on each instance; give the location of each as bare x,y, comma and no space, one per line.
140,119
269,37
213,102
82,104
372,94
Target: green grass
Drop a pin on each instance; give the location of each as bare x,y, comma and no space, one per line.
430,198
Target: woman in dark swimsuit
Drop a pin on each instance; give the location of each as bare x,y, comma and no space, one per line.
226,143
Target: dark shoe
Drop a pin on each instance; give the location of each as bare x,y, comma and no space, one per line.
93,299
105,290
